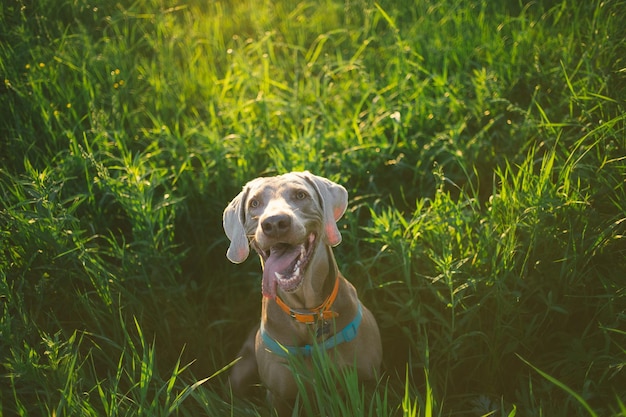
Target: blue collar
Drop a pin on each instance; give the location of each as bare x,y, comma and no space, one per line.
346,335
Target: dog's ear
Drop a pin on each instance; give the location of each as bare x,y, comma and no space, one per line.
233,220
334,200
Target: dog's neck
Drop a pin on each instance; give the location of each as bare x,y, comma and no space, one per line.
317,283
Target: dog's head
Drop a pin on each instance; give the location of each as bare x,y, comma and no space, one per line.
284,218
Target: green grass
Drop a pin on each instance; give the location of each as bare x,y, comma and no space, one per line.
483,146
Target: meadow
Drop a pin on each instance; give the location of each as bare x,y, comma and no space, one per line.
483,145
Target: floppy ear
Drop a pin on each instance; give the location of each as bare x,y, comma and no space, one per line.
233,220
334,200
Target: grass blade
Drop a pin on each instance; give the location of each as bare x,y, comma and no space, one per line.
561,385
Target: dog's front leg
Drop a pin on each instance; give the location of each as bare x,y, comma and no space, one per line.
245,373
277,377
282,407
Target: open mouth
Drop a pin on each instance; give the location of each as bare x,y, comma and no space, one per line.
284,265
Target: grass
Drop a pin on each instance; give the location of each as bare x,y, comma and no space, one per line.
483,146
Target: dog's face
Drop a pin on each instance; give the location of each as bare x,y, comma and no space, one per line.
280,210
284,218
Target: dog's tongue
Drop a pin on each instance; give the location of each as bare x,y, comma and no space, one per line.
281,258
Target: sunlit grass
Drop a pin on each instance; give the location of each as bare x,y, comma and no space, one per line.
483,146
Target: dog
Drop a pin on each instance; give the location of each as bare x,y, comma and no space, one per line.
290,220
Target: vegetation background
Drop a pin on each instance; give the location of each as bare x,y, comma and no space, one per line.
483,145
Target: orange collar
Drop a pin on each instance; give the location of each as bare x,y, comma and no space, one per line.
322,312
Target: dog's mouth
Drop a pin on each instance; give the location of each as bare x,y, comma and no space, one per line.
284,265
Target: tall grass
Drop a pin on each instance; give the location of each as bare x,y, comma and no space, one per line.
483,146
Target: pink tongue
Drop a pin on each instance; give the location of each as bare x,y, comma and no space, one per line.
279,261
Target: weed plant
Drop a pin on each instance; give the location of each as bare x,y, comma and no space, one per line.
483,145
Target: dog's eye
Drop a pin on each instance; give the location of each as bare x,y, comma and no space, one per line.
254,203
301,195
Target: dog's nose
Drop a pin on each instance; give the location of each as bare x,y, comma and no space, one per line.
276,225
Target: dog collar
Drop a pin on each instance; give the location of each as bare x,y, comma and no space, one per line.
323,312
347,334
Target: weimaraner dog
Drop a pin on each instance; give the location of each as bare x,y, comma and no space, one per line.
291,222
